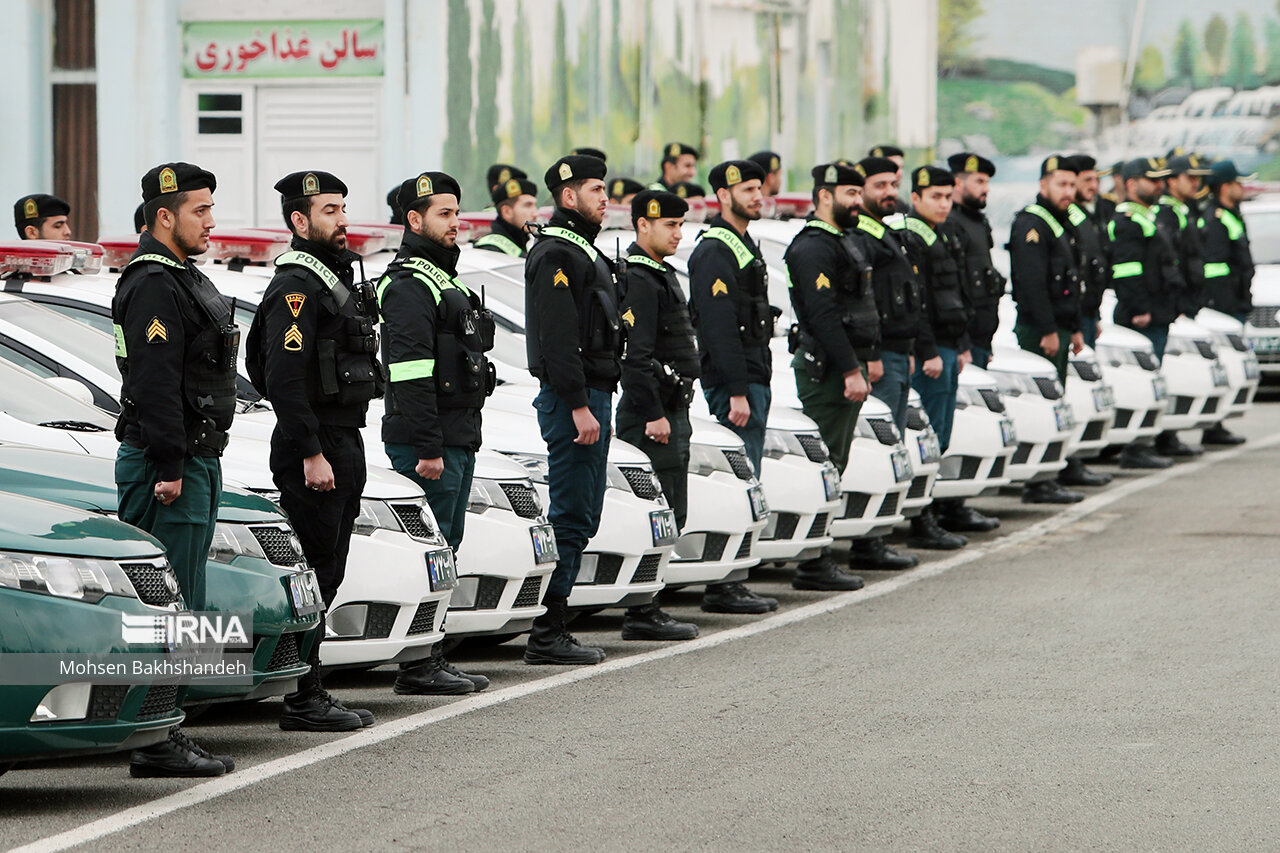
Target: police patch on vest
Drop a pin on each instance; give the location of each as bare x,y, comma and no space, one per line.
310,186
29,210
629,318
156,332
293,339
295,302
560,279
823,283
1033,236
719,288
168,181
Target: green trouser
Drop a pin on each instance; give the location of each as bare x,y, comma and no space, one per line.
448,495
184,527
670,461
824,403
1029,340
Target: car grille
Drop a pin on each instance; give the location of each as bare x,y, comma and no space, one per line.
524,500
277,544
991,397
1053,452
1149,419
380,621
1264,317
285,654
1022,454
1086,371
855,505
148,580
1147,360
919,488
786,526
489,592
1237,343
1123,416
744,550
1206,349
1242,397
818,529
889,507
161,701
886,432
714,548
1181,405
738,462
528,594
424,618
1093,431
813,448
915,419
1210,406
969,467
410,516
1048,387
647,570
997,469
607,568
642,482
105,701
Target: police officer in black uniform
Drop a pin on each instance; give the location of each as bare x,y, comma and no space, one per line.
574,341
771,163
679,163
311,352
623,190
176,350
516,204
397,216
435,334
658,372
499,173
42,217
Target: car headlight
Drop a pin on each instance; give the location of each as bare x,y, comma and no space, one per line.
779,443
234,540
1015,384
1174,346
487,494
864,430
65,577
375,515
1116,356
464,593
705,460
534,463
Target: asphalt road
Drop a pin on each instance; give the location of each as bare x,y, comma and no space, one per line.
1100,677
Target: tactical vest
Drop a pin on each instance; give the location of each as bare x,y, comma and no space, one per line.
675,348
1064,277
599,324
208,366
950,316
855,291
501,242
1090,258
751,296
464,333
897,290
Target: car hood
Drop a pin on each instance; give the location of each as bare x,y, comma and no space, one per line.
41,527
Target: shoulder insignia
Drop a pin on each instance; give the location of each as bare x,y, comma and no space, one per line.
560,279
156,332
293,339
1033,236
295,302
719,288
823,283
629,318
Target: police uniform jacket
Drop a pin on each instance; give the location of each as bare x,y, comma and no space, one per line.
1144,267
833,297
573,334
506,238
1228,262
937,257
176,350
437,377
661,348
896,287
317,345
1042,260
1180,221
729,300
1091,260
983,283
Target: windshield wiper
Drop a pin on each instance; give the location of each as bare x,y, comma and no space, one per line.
75,426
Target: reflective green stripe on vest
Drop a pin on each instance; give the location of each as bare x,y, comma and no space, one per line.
825,226
159,259
311,262
122,351
501,242
432,277
647,261
574,238
1127,270
1076,215
1179,209
1235,228
922,230
740,251
866,223
1139,215
1054,225
1210,271
419,368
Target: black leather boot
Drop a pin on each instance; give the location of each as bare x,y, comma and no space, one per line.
1219,435
1168,444
1049,492
823,573
735,598
926,534
430,678
179,756
551,643
1076,474
1142,457
312,709
953,515
650,622
872,554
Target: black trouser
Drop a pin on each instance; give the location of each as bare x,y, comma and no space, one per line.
322,520
670,461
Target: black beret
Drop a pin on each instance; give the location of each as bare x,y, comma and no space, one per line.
513,188
139,219
657,204
622,187
869,166
1144,167
1188,164
733,172
298,185
924,177
677,149
574,167
416,192
688,189
500,173
1056,163
30,209
767,160
1084,162
886,151
393,202
176,178
590,152
835,175
968,162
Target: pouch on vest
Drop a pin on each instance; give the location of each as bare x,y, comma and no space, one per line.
447,363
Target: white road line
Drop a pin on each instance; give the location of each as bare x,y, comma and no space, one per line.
386,731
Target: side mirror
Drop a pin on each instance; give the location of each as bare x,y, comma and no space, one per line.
70,386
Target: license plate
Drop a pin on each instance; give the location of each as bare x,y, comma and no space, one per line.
544,544
759,506
663,523
831,482
442,569
930,449
1062,414
1102,399
901,466
1008,436
1251,370
1219,375
1266,344
304,593
1158,389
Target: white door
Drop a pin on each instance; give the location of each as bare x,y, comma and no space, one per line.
218,125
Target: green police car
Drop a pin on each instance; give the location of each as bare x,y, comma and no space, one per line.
255,565
66,578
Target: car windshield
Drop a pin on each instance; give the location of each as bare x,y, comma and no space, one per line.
29,398
90,346
1264,235
85,314
508,347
